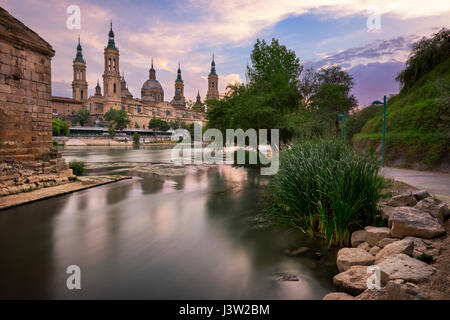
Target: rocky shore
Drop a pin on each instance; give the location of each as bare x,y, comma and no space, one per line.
410,254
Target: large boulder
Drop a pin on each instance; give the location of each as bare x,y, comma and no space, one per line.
404,199
347,257
384,242
401,266
437,210
353,281
338,296
374,235
374,250
386,212
422,246
358,237
420,194
394,290
407,221
401,246
365,246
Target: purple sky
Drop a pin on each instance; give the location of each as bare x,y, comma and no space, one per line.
322,32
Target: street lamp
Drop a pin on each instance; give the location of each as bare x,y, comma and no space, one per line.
345,123
384,127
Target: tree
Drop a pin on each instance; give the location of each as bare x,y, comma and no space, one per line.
60,127
112,132
270,100
117,118
136,138
158,124
82,116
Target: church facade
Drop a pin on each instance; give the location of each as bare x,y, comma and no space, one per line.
117,96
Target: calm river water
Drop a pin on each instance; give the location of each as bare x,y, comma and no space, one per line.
168,233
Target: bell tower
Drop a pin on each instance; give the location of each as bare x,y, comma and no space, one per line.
111,75
213,81
79,83
179,85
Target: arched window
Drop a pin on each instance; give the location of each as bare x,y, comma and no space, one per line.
109,64
82,94
114,63
114,88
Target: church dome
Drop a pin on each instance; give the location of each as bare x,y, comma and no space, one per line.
151,84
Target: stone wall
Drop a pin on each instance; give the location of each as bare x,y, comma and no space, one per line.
26,150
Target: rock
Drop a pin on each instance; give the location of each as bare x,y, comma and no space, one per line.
400,266
424,246
404,199
365,246
374,250
347,257
420,194
358,237
386,212
284,277
384,242
338,296
429,205
353,281
374,235
406,221
401,246
297,251
394,290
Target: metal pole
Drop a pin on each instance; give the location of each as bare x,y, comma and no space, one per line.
345,125
384,130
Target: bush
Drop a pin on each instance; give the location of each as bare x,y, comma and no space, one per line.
326,189
428,259
78,167
60,127
136,138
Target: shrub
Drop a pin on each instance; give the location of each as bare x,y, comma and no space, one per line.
112,132
326,189
428,259
60,127
78,167
136,138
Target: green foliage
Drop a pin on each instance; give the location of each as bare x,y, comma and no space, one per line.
117,118
426,54
136,138
158,124
426,258
270,100
417,122
358,119
82,117
136,125
112,132
78,167
60,127
326,189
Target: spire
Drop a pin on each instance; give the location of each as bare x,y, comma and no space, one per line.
79,56
152,72
198,98
179,73
213,67
111,43
98,90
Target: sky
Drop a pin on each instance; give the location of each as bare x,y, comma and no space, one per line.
369,39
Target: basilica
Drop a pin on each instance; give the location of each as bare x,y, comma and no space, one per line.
117,96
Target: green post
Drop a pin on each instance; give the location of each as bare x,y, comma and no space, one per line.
384,130
345,125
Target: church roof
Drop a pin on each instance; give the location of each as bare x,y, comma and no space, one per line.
152,84
79,56
111,43
213,68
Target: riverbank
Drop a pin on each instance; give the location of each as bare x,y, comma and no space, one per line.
45,193
407,260
82,142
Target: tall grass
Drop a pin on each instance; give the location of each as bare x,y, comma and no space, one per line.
78,167
326,189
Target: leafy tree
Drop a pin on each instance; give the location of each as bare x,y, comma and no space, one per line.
112,132
82,116
425,55
60,127
117,118
136,138
158,124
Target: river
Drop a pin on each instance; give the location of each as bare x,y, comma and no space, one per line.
168,233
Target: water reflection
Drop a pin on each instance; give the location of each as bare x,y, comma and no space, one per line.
191,236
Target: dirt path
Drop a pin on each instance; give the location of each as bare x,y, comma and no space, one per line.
438,184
